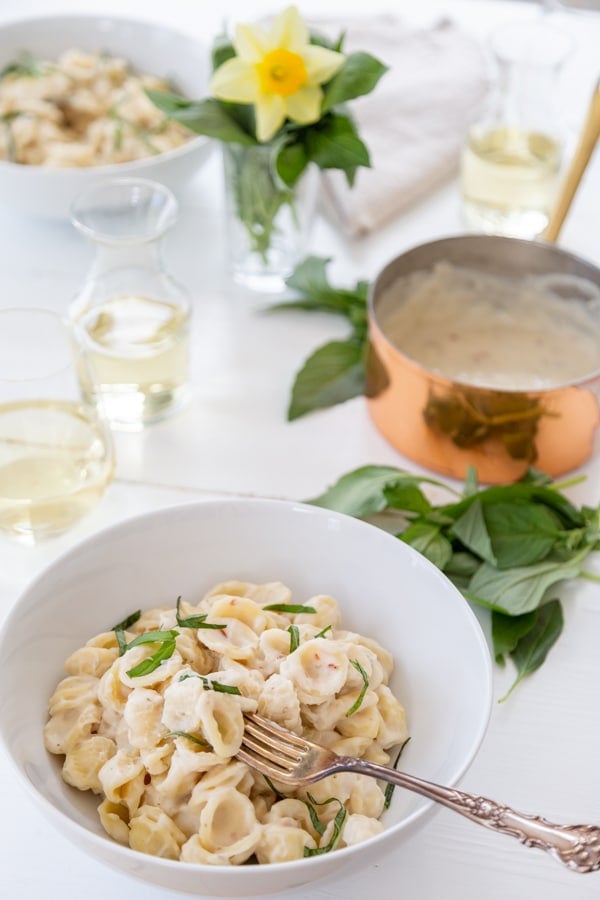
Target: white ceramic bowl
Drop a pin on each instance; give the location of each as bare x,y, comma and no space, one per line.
386,590
151,48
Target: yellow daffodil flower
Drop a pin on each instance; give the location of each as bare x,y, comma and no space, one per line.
279,71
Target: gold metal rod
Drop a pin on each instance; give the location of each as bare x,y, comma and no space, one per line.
585,148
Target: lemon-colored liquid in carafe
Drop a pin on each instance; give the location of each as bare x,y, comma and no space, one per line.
509,181
139,351
54,466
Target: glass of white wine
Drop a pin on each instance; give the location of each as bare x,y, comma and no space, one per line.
134,316
56,455
512,157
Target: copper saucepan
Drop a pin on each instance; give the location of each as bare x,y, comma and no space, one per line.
446,425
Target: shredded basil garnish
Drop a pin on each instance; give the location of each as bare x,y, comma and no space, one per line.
389,788
194,738
166,641
324,631
338,824
198,621
210,685
363,691
128,622
277,793
294,637
290,608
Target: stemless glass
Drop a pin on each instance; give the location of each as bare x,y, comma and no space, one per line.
56,456
134,316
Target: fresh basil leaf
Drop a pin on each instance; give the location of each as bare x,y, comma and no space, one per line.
521,532
429,541
368,490
209,117
290,163
519,590
310,279
472,532
532,650
407,496
334,144
332,374
507,631
358,76
471,484
461,567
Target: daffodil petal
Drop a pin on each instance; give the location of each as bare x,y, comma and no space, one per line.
236,81
288,31
321,64
250,43
305,105
270,115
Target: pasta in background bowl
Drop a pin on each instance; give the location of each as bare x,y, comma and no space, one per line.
61,48
385,591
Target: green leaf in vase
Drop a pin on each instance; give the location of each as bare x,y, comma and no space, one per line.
358,76
290,162
209,117
334,144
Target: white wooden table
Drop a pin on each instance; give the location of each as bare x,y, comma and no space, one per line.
542,748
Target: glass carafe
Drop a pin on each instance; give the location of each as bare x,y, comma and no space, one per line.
133,315
512,157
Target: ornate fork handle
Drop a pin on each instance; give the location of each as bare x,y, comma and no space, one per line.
576,846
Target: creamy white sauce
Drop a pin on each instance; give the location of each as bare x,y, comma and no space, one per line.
491,331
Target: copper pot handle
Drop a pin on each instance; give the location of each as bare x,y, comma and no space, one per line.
585,148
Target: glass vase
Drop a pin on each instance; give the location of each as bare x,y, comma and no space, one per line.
268,222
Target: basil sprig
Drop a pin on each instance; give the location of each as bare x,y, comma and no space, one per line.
336,371
506,547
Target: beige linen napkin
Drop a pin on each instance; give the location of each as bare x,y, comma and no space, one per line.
414,123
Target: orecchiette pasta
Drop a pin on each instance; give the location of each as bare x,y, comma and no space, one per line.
151,717
84,109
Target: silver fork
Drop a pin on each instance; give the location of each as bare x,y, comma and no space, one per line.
291,760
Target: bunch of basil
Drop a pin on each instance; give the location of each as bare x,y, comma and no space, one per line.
504,546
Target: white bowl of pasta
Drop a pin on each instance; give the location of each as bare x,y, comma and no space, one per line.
128,664
73,109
